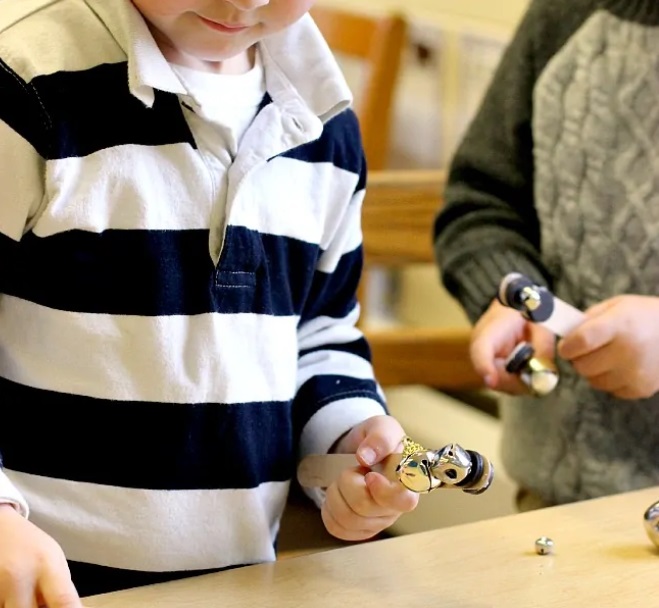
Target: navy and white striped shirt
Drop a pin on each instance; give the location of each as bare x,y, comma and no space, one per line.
158,381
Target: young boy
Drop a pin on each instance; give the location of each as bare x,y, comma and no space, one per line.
557,179
181,191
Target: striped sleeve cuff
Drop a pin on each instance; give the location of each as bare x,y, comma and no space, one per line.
331,422
475,282
9,494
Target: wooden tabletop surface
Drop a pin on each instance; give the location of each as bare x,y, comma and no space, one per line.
602,558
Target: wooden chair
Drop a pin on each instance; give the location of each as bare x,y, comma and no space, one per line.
398,216
397,220
380,42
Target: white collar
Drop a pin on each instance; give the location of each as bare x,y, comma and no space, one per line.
301,72
147,67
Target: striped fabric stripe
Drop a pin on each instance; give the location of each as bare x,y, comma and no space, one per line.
157,273
154,528
168,359
154,450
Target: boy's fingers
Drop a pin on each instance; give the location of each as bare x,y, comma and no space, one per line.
58,590
482,358
601,307
346,513
589,336
22,596
340,530
544,343
391,496
507,383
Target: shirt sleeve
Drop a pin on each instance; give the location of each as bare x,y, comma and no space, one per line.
24,130
336,384
24,135
9,494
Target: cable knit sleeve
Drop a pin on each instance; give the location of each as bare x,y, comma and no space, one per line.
489,226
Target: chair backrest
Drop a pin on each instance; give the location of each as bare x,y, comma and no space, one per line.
379,42
397,219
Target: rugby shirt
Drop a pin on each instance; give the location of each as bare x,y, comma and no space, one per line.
160,374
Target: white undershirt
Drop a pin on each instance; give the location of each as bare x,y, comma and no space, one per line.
228,100
219,109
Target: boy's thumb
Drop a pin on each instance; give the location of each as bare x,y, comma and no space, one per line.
383,437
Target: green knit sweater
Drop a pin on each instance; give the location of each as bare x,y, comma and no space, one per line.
558,178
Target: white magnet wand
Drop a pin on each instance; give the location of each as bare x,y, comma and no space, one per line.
538,304
418,469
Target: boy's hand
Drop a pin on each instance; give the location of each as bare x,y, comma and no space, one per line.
33,569
494,337
616,348
362,503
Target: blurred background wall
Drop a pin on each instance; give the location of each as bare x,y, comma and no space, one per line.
453,49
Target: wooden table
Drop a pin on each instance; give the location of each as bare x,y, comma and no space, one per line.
602,558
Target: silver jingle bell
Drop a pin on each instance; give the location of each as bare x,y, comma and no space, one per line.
544,546
651,522
453,464
415,472
539,377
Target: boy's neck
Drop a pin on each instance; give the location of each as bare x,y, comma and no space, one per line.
239,64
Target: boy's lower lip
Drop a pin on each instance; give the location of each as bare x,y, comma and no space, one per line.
221,27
